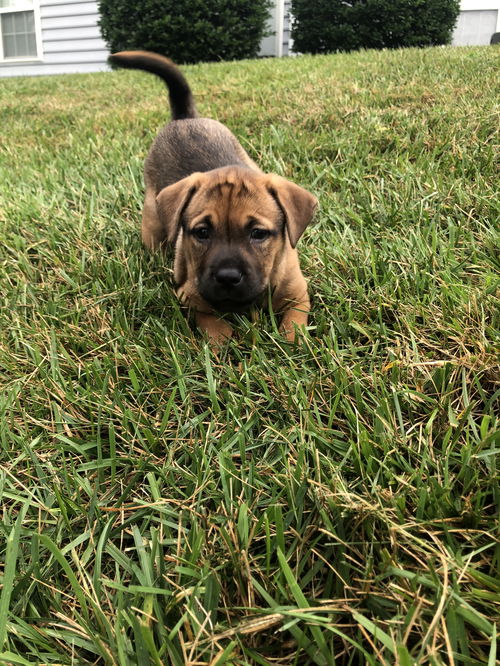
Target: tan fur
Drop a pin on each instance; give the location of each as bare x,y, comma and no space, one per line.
198,176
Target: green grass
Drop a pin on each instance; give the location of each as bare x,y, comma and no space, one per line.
333,502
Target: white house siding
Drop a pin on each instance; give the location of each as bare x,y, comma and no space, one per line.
71,41
475,27
477,22
278,43
273,44
287,40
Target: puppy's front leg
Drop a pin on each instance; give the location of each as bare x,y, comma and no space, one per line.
291,298
295,316
217,329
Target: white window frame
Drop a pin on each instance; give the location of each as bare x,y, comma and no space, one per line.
24,6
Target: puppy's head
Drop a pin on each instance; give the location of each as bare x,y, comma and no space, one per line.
236,224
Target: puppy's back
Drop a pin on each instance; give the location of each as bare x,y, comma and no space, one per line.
186,146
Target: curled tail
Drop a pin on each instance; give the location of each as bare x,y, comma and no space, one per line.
180,96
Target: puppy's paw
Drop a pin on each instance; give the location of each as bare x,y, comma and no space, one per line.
217,330
292,331
294,321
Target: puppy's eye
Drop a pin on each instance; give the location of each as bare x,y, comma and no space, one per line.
259,234
201,233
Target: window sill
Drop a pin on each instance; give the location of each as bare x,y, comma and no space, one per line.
14,61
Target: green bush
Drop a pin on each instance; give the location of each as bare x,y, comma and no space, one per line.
186,30
321,26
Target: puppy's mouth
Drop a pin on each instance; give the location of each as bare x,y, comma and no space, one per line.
236,305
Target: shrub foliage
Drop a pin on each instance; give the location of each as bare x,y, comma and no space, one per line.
321,26
186,30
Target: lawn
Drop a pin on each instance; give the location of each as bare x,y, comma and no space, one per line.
330,502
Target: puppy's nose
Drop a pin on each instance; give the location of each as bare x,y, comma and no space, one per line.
228,277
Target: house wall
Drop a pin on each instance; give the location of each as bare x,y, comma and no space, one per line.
71,41
287,42
273,44
279,43
477,21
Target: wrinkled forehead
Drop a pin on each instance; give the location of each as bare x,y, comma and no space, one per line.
236,202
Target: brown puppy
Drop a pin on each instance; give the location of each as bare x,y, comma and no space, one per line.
233,227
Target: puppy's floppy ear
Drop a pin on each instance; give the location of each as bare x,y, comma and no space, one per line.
298,205
173,200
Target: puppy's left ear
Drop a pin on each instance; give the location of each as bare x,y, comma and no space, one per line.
172,201
298,205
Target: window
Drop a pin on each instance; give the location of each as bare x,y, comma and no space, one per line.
19,36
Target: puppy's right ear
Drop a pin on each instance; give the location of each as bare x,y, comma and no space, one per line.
173,200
